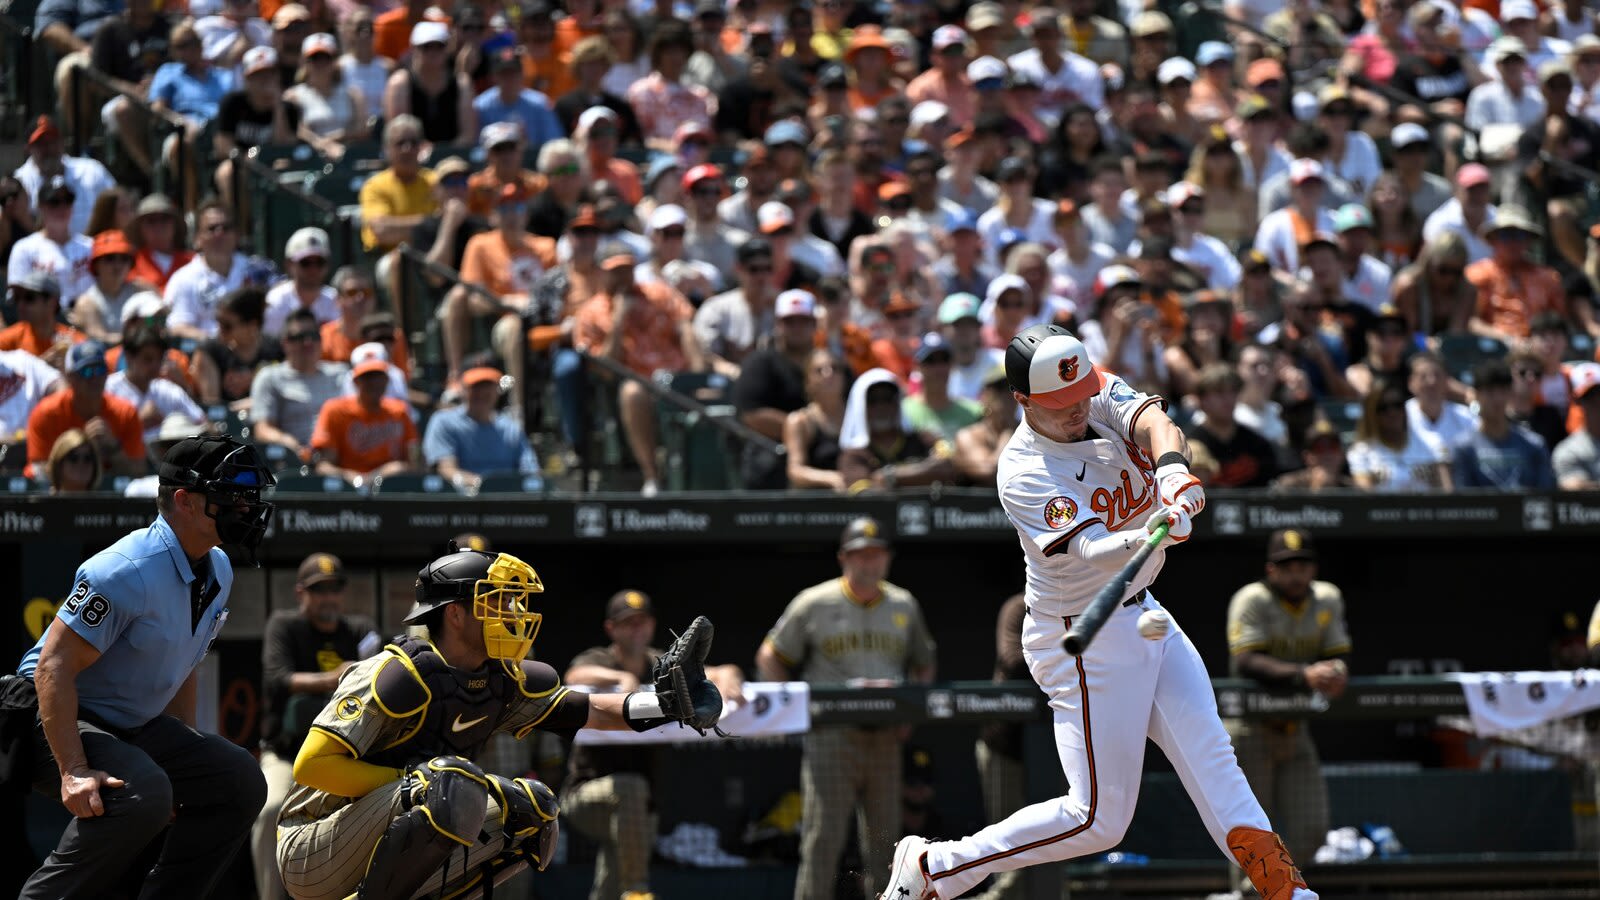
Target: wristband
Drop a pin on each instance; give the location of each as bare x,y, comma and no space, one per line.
642,711
1171,458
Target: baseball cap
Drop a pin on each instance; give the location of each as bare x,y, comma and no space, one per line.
1150,22
752,250
1175,69
1351,216
773,216
451,166
985,14
506,59
1472,175
1115,277
321,42
288,14
891,189
957,307
700,173
626,604
1584,43
1213,52
1304,170
57,186
1320,237
1407,133
932,343
584,219
39,283
1512,10
1505,47
660,167
795,303
1511,217
785,131
370,367
44,129
690,130
666,216
591,117
616,256
899,302
866,37
1046,364
319,568
948,36
1182,192
496,133
1264,70
927,112
176,427
429,32
1585,377
1322,431
143,305
480,375
1554,68
259,59
306,243
110,243
862,533
986,68
85,356
961,220
1290,543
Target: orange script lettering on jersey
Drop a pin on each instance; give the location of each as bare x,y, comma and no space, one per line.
1119,504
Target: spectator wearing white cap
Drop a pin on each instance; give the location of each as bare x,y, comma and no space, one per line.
1509,101
795,262
597,136
946,80
254,115
1520,19
1176,77
772,384
397,387
1466,213
1585,64
1281,233
1064,77
332,112
1215,92
509,101
429,88
306,255
693,278
1412,146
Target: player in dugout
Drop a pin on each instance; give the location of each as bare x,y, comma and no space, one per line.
388,800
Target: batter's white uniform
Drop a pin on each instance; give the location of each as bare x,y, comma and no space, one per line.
1124,688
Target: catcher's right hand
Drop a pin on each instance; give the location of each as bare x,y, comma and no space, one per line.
680,677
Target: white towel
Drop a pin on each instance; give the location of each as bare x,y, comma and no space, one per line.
1505,701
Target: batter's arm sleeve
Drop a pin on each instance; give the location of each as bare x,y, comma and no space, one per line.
1045,513
327,764
1336,634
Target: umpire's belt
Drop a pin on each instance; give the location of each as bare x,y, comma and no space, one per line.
1137,598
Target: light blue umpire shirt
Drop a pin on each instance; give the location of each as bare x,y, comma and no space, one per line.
133,602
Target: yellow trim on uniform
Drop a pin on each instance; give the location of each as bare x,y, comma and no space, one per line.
1246,648
404,660
477,876
560,696
767,641
844,585
1290,609
514,669
1335,651
494,785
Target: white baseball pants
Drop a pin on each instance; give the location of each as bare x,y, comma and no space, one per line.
1105,703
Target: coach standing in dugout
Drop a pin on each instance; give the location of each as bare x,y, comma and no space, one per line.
303,653
1288,631
115,676
855,628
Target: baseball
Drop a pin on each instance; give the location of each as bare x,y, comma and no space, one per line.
1154,624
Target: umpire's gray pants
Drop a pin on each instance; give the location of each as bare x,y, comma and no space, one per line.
208,789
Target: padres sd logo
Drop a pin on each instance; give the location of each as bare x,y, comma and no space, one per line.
1068,369
348,708
1058,512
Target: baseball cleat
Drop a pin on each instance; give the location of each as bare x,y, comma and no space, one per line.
908,880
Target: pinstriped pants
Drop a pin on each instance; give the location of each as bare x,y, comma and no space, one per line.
844,771
614,812
326,859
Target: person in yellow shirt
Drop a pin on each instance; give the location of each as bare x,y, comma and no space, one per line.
397,199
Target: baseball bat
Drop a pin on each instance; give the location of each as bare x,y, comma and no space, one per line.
1086,626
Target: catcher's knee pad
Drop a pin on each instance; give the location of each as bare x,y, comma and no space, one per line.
453,794
1266,861
528,809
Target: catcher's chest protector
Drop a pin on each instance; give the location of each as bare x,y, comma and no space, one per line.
461,713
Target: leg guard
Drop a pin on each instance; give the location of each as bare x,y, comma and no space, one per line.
447,801
528,810
1263,857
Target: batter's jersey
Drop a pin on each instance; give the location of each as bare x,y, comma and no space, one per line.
828,636
1054,491
140,605
1258,620
359,719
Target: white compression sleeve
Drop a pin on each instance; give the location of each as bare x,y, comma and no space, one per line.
1105,549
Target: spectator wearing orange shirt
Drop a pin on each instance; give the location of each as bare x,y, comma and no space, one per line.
507,262
157,235
583,20
37,296
391,31
544,64
368,434
360,322
869,56
1512,289
503,142
647,328
596,137
110,422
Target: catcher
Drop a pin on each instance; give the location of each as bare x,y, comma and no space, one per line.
387,802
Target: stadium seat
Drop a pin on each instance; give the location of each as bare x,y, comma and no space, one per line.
412,484
1341,414
511,483
314,484
1460,352
698,456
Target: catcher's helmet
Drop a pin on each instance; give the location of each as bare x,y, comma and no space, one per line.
498,585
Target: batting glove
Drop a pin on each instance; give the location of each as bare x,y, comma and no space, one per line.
1178,522
1177,487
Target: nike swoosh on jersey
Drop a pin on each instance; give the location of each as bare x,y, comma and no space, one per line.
1083,470
459,725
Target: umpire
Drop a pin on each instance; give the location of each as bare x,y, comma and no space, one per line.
857,627
115,681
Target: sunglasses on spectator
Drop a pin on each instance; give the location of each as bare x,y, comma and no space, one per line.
785,231
900,316
226,324
431,47
560,171
1391,406
585,231
1529,374
898,203
302,337
707,190
675,232
92,371
21,296
1193,209
79,457
315,262
185,45
759,269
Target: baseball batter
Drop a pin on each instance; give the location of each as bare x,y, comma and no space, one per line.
1089,474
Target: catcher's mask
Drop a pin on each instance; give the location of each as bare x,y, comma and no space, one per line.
231,476
500,587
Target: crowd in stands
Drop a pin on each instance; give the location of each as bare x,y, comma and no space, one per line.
1354,243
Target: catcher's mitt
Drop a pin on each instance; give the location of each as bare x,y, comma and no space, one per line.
680,677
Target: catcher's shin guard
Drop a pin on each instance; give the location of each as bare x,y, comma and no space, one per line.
528,817
447,801
1266,861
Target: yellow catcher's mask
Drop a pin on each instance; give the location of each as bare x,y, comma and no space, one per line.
502,601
